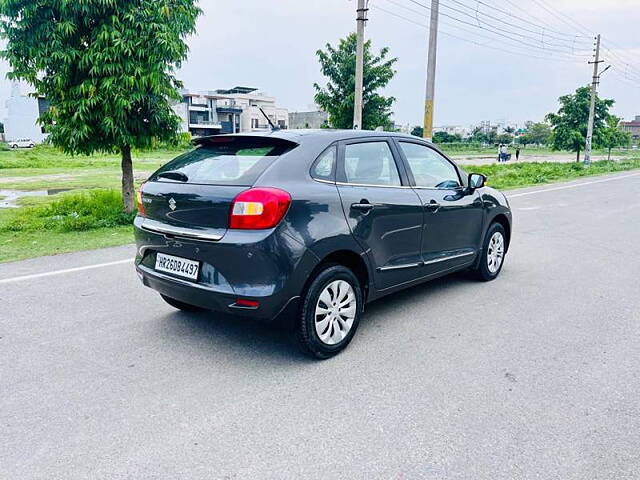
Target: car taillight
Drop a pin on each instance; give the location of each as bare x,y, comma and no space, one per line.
259,209
139,201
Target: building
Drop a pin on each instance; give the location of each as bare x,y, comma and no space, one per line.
236,110
464,132
633,127
23,112
312,119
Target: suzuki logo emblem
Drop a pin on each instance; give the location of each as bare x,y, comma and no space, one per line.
172,204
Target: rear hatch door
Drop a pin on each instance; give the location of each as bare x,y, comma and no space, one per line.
196,190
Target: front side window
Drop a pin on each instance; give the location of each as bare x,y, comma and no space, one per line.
370,163
430,169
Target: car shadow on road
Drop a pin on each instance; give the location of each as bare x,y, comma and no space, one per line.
387,305
245,339
231,337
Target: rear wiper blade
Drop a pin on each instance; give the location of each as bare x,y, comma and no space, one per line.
172,175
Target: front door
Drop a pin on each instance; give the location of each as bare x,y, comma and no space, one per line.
453,216
384,213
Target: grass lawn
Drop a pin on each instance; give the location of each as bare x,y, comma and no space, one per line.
22,245
518,175
44,167
50,225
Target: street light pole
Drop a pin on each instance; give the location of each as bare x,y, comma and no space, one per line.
592,107
357,108
431,71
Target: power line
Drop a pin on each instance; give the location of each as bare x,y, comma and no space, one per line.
629,66
499,32
563,17
472,32
520,54
529,22
627,75
630,69
540,29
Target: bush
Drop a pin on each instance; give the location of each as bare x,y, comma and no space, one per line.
73,212
182,141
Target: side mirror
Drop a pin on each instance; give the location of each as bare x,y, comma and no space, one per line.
476,180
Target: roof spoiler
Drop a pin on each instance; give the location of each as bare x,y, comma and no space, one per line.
247,141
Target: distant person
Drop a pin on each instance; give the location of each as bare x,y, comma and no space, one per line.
500,152
517,153
504,153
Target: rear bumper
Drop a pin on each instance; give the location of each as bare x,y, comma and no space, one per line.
194,294
269,267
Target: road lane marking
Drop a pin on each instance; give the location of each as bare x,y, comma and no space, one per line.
62,272
576,185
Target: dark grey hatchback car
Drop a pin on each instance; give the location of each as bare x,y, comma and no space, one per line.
312,225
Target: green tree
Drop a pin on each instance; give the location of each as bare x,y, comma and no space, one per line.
444,137
482,136
337,97
537,133
613,136
417,131
570,123
107,68
504,138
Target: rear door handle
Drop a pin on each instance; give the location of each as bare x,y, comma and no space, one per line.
365,207
432,206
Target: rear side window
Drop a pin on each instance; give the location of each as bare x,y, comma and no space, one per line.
370,163
324,166
235,162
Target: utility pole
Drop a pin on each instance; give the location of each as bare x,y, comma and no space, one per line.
431,71
592,108
362,20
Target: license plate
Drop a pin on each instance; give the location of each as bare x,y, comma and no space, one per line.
178,266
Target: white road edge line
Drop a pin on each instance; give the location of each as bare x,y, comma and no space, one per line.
61,272
576,185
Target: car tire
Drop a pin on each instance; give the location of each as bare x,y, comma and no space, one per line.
185,307
14,146
492,254
323,335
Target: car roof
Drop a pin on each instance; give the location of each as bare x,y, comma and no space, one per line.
308,135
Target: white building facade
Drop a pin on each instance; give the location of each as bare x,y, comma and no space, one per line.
236,110
22,116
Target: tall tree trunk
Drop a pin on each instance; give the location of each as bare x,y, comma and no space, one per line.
128,192
609,157
578,156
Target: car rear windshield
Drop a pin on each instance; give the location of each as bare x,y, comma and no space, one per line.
227,161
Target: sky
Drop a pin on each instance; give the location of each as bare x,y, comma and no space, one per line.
271,45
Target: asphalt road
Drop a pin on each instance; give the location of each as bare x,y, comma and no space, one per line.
536,375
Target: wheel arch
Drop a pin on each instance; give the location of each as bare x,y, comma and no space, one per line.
502,219
349,259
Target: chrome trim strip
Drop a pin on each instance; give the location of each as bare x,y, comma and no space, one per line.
399,267
429,262
438,189
345,184
320,180
154,273
448,257
164,229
